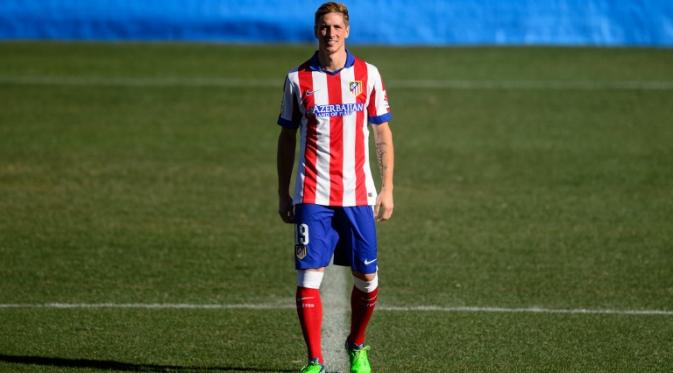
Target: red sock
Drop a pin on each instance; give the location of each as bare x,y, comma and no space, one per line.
362,307
309,309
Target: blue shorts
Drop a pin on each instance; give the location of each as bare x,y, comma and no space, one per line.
348,233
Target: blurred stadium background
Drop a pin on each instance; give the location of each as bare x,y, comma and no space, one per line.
394,22
534,185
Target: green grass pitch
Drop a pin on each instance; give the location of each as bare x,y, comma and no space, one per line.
134,173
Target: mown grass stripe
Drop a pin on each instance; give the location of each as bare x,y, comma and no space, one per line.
336,325
163,81
273,306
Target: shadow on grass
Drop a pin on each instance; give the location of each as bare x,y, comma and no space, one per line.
121,366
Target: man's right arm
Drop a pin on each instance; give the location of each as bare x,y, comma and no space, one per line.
287,141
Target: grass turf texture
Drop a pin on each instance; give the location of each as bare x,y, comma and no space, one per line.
166,194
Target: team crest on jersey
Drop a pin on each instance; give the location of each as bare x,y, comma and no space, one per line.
300,251
355,87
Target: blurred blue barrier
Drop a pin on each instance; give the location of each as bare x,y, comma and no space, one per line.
394,22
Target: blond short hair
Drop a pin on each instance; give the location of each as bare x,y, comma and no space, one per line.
331,7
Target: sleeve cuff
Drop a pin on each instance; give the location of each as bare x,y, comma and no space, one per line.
287,123
381,118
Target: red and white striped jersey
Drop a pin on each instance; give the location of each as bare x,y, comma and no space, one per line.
332,110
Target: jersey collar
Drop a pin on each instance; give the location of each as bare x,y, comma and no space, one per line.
314,63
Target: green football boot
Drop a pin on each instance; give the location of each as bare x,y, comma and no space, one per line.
358,358
313,366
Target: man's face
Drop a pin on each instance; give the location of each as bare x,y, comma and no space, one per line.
331,32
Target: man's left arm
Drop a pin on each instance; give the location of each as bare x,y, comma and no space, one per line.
385,156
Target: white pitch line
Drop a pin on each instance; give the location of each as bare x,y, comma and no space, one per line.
223,82
153,306
141,81
330,306
574,311
582,85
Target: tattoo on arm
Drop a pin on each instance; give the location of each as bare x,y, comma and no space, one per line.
380,154
383,141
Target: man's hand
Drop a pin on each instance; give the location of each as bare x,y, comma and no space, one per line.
383,209
286,209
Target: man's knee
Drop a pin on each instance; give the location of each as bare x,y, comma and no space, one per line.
310,278
366,282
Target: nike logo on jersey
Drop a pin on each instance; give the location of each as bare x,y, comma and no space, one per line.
368,262
310,93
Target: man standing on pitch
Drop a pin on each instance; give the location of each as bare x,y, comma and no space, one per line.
331,98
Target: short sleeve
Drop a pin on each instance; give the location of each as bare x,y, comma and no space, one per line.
378,111
289,116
